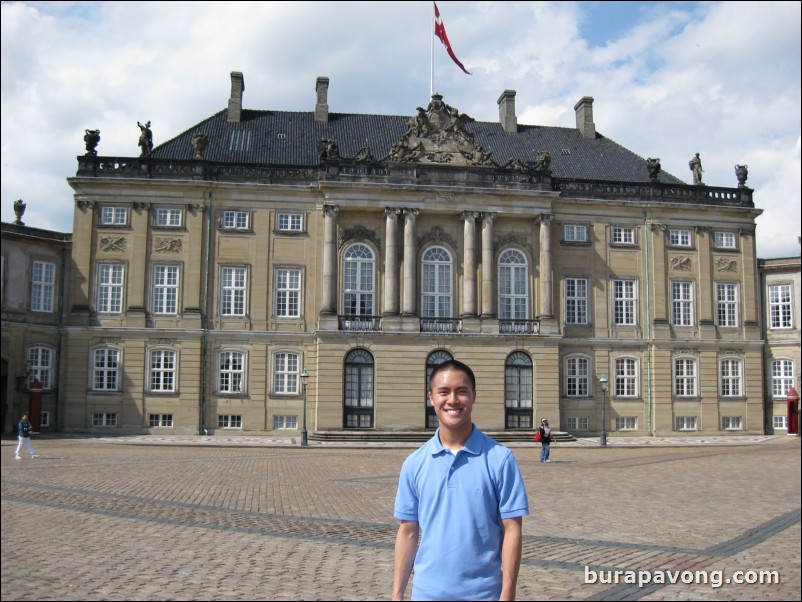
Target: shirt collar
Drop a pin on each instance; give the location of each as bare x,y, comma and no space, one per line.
473,445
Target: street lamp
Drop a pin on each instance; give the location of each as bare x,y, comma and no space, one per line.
304,378
603,383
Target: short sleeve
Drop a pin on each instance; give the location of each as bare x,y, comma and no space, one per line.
406,499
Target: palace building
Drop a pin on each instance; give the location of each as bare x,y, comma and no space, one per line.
275,271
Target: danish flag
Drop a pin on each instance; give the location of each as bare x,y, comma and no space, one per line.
440,32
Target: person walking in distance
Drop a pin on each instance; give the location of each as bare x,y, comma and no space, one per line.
462,492
24,437
545,440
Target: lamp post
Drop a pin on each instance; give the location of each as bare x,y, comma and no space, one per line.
603,383
304,439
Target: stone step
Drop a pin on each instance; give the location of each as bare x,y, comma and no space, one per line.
421,436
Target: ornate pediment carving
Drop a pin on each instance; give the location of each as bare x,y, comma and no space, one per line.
438,134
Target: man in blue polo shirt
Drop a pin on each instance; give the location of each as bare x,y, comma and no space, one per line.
463,493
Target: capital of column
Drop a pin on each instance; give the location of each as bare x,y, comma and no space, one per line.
330,210
545,219
410,212
470,215
392,212
659,227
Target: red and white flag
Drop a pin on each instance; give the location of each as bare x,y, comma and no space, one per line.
440,32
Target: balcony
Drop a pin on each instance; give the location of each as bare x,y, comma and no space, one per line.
440,325
356,323
519,326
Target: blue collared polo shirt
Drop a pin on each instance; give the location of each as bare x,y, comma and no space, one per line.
459,501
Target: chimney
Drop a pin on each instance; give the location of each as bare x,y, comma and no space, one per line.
322,106
506,112
235,102
584,117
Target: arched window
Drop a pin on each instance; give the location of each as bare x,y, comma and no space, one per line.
518,391
513,289
359,286
436,283
358,412
435,359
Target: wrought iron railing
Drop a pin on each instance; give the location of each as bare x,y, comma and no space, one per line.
440,325
518,326
360,323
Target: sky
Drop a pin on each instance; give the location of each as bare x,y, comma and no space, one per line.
669,79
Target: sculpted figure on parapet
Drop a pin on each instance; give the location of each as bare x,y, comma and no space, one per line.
91,139
653,165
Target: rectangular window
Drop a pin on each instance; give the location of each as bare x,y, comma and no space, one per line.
780,422
43,282
233,283
285,373
626,423
231,372
105,369
626,377
235,220
40,363
725,240
782,377
685,377
285,422
686,423
730,378
114,216
44,419
682,303
727,304
290,222
165,289
110,288
731,423
225,421
577,423
104,419
168,218
623,236
162,371
780,306
576,301
288,293
575,233
679,238
624,296
155,420
576,376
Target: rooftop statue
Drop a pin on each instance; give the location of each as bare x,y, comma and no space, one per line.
91,139
145,139
695,165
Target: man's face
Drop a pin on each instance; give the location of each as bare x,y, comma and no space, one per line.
452,396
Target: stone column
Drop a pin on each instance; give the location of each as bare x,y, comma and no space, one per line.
469,265
410,263
391,262
546,303
488,269
329,292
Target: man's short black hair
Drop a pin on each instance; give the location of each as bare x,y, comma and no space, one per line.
453,365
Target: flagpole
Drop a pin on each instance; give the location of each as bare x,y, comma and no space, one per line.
431,54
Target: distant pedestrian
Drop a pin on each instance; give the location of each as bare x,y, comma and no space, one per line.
545,440
24,436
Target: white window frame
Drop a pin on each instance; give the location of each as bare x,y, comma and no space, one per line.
731,423
160,420
782,377
288,292
43,286
780,306
682,302
359,280
625,299
577,376
289,221
286,372
40,365
104,419
623,235
235,219
730,377
626,380
685,423
229,421
725,240
685,379
231,371
106,372
575,233
626,423
513,286
727,305
163,371
437,283
285,423
110,288
780,422
576,301
679,237
166,287
113,216
168,217
233,291
577,423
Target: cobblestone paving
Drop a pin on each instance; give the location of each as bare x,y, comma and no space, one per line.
94,519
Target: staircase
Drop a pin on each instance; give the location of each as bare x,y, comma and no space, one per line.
422,436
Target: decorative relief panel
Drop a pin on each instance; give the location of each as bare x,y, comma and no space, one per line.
437,235
113,243
726,265
358,233
681,264
511,238
168,245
